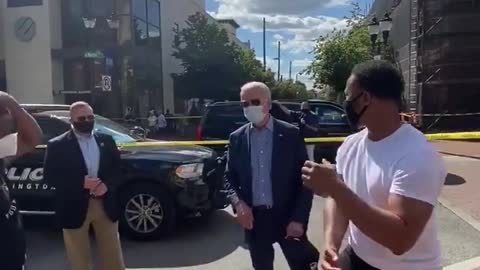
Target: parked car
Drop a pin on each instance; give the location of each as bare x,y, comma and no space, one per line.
331,118
292,106
222,118
168,181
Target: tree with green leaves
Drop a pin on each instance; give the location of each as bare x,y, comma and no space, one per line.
289,89
338,52
214,67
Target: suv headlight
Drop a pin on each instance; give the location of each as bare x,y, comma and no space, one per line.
189,171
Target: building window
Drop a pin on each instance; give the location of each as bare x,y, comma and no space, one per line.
140,31
103,8
153,13
139,9
146,18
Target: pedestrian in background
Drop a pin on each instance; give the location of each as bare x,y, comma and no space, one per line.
84,168
161,123
263,179
170,122
308,122
152,122
27,136
387,181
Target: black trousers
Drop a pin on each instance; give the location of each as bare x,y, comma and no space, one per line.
350,261
12,243
300,253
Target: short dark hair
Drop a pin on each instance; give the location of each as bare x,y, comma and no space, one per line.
381,79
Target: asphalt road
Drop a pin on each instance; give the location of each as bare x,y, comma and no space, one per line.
217,243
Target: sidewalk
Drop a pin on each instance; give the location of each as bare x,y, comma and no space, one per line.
460,193
459,148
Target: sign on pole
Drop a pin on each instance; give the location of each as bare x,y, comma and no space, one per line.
106,83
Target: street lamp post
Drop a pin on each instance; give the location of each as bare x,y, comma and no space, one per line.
89,23
379,31
385,27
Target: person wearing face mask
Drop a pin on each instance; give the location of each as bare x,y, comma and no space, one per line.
308,120
263,183
84,168
12,145
385,185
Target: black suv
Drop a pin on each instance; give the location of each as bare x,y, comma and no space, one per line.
173,181
222,118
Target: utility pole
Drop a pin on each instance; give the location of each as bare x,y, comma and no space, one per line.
264,45
278,59
290,71
296,77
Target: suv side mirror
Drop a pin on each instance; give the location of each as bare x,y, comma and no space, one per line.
139,131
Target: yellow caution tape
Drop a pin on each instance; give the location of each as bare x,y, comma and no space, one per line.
432,137
475,135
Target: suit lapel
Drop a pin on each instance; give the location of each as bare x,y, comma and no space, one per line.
276,154
247,160
78,151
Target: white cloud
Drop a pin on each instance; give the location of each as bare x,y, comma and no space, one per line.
301,63
283,17
278,37
287,7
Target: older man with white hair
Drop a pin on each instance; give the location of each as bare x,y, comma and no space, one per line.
264,184
84,167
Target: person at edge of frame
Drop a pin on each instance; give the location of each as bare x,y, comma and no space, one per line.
385,185
12,145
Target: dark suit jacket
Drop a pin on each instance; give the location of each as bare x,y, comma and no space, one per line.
290,198
65,169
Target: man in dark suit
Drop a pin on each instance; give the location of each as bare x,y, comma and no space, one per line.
263,179
83,167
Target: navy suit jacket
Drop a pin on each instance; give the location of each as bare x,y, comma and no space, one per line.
65,169
290,198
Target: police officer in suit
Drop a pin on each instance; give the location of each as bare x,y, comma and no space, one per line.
263,179
27,136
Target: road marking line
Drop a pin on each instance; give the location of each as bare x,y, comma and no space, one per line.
471,264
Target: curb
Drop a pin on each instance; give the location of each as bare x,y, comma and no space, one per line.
458,155
460,213
470,264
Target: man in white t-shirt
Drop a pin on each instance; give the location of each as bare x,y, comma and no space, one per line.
12,243
386,184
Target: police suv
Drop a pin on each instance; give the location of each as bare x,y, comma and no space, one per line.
159,183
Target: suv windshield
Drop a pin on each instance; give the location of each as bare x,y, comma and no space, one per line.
103,125
119,133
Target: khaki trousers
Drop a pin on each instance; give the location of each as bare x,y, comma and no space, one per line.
77,241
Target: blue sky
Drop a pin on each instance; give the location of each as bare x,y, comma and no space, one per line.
294,23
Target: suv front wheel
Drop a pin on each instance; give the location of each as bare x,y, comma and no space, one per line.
147,212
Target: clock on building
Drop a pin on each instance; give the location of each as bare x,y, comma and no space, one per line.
25,29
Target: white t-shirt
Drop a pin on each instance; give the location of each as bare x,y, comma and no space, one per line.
404,163
8,145
162,121
152,121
